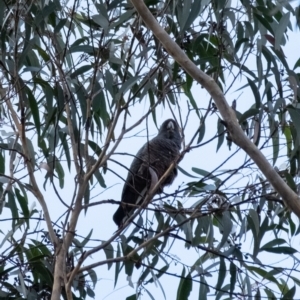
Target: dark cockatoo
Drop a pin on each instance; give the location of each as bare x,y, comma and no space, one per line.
149,165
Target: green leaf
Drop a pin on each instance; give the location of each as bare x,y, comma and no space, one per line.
297,64
6,271
43,54
257,295
95,147
24,205
239,43
82,48
115,61
254,217
221,134
48,92
253,223
255,93
80,71
269,293
65,145
225,226
284,21
9,234
82,97
264,22
99,103
201,130
118,264
205,174
128,269
290,181
189,82
273,243
295,116
259,69
2,10
183,13
34,70
31,151
60,25
281,250
60,172
204,289
90,292
289,294
185,286
185,172
34,110
248,114
233,272
86,197
42,272
129,263
59,97
222,274
282,58
126,86
14,210
2,163
149,294
27,49
248,284
264,274
101,20
100,178
86,239
41,247
159,274
93,276
46,11
243,68
122,19
109,253
275,143
147,270
289,140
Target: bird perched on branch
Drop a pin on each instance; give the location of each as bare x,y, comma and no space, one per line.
149,165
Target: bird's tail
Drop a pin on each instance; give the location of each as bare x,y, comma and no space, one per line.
119,215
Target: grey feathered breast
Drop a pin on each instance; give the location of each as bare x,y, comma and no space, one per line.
158,154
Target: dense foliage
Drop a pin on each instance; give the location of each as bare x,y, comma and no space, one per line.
79,78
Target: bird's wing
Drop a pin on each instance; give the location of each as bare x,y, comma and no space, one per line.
140,179
149,165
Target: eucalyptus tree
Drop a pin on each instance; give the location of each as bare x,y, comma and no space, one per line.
78,79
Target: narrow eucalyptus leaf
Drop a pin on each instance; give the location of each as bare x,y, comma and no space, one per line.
233,274
282,26
109,252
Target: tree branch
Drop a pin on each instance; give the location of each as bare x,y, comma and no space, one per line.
237,134
35,189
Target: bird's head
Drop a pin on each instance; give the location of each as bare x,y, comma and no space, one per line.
170,130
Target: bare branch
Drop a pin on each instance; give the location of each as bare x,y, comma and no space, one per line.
35,189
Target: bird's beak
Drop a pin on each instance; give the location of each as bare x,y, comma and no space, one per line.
170,126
